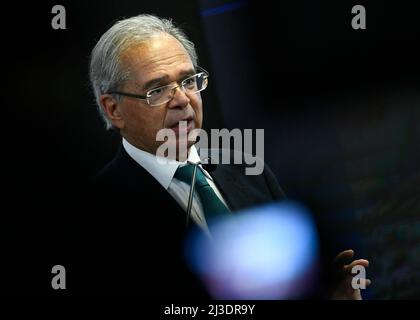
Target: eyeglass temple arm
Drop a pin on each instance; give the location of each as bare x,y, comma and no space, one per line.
132,95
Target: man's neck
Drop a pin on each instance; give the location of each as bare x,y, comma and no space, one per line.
181,155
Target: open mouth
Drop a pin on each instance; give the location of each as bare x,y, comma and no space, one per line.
183,126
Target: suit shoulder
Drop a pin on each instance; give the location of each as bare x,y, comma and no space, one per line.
109,174
247,168
238,160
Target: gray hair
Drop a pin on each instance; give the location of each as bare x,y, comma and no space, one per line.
106,70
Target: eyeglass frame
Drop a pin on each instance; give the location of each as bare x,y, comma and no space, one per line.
147,97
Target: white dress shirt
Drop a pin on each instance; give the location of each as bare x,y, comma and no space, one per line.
163,170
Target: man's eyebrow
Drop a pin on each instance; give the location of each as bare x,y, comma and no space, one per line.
158,81
187,73
153,82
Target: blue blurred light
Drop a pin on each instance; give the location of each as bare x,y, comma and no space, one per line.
224,8
267,252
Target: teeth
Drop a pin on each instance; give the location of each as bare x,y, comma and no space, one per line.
177,124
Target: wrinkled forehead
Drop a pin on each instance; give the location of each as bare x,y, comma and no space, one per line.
161,55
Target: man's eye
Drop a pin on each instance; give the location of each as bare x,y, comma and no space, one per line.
156,92
189,82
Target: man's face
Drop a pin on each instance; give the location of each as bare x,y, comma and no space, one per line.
160,61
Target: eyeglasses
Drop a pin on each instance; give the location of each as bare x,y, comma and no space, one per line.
158,96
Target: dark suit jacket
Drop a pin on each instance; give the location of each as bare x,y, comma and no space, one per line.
134,229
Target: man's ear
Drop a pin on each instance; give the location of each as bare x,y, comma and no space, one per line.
111,108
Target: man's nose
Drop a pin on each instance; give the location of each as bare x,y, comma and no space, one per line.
180,99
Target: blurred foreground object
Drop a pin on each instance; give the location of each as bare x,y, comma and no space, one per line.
266,252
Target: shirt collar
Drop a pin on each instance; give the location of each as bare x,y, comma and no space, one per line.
162,169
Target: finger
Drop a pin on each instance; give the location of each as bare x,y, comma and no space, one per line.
362,283
360,262
343,257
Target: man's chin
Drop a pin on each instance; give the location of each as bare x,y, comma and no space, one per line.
183,149
175,150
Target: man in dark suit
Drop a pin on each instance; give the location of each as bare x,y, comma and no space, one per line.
142,226
146,79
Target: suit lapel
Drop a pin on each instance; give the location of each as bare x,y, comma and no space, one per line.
232,187
159,207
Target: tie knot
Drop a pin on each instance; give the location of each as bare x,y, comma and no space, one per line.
185,174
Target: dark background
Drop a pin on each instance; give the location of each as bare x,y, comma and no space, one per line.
340,109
